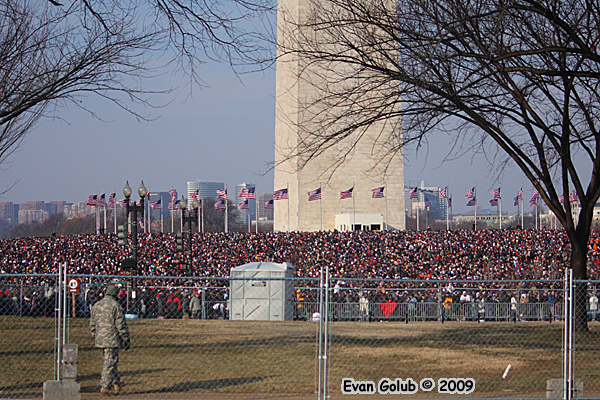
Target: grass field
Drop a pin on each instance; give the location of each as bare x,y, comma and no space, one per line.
244,359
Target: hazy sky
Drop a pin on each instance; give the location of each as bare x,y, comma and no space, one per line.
221,133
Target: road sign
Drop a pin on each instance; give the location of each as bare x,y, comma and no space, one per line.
74,284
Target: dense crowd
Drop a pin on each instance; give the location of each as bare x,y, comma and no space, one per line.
485,254
372,260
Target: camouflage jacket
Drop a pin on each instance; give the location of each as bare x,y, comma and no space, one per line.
107,323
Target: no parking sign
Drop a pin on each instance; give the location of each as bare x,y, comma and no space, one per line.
74,284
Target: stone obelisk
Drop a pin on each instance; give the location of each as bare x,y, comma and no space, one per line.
337,169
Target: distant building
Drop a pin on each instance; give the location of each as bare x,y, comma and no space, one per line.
484,217
75,210
165,198
251,202
264,214
28,216
9,212
56,207
205,189
32,205
432,194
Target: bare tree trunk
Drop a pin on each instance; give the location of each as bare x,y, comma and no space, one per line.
579,267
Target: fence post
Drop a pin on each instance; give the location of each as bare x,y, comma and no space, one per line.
568,336
204,301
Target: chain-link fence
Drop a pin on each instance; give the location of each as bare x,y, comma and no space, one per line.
266,337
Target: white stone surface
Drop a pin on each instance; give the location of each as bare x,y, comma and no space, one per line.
297,86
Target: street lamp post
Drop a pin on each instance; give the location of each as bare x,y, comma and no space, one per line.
133,209
191,217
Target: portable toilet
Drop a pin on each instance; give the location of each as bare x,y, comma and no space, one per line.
262,291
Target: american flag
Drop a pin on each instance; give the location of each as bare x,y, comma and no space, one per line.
243,205
281,194
220,205
111,200
247,193
573,196
517,200
494,202
157,205
496,193
378,193
174,205
122,203
561,199
472,202
102,200
534,198
470,194
194,194
314,195
173,193
413,193
92,200
347,194
427,204
520,195
444,193
269,204
222,194
532,202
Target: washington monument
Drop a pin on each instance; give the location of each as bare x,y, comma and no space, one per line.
361,165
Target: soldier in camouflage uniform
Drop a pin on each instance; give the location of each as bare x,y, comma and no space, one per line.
110,331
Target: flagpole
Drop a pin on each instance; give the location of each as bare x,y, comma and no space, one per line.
475,193
149,211
104,205
115,210
386,214
449,200
198,222
97,213
226,213
353,210
172,209
426,216
256,206
320,205
500,203
162,228
418,206
447,194
202,210
522,206
288,205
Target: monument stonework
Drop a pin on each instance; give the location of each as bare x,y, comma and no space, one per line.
363,166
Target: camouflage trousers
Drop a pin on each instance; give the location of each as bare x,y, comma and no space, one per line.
110,374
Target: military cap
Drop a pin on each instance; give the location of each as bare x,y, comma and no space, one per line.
112,290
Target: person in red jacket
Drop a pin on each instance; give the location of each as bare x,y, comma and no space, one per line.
173,306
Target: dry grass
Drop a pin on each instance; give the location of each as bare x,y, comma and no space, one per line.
243,359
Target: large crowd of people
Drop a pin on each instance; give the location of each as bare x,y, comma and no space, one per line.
367,259
484,254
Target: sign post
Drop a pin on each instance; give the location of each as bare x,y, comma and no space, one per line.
74,287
